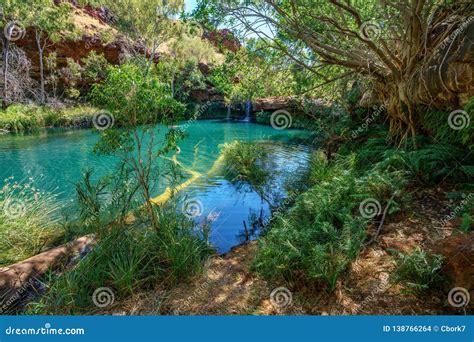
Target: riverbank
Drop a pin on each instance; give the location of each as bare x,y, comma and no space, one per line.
19,118
229,286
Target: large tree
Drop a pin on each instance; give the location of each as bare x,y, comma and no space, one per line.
411,52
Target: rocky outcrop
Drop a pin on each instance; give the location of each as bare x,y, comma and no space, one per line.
293,104
210,94
92,23
223,40
458,253
269,104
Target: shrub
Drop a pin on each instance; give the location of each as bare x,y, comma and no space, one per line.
244,162
27,118
29,221
127,259
319,236
438,124
419,270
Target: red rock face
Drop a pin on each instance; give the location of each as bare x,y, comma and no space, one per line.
206,95
223,40
75,49
458,251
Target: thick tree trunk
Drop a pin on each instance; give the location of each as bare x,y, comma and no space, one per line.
443,78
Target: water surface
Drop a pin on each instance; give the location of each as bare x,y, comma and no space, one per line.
59,157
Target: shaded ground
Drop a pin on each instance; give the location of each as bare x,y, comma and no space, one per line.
229,288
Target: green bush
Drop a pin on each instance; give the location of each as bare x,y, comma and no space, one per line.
419,270
437,123
244,161
29,221
319,236
423,160
26,118
127,259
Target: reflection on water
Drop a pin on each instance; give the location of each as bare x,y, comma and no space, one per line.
59,157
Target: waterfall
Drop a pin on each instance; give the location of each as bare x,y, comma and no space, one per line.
228,112
248,108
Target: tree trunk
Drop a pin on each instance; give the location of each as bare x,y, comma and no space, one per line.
6,51
41,65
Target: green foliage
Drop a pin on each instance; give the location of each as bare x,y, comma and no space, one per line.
249,164
298,122
437,123
29,220
127,259
419,270
91,69
26,118
244,76
150,21
319,236
184,77
467,223
135,95
244,162
181,247
423,160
